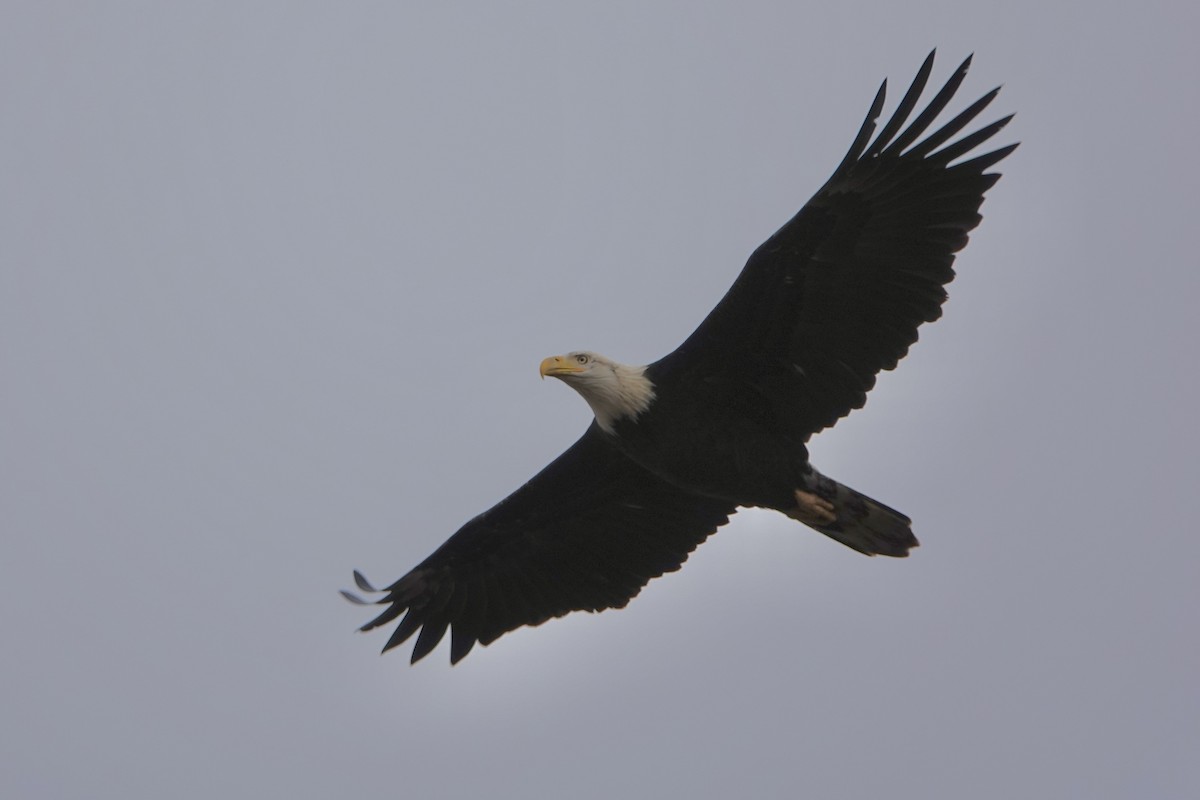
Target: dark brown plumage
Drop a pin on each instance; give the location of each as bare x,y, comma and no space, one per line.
832,298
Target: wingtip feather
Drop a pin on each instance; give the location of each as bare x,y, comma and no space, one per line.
361,581
353,598
460,644
965,66
431,635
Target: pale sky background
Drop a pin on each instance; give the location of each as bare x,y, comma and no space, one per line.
275,279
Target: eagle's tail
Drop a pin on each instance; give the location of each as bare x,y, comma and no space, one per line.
857,521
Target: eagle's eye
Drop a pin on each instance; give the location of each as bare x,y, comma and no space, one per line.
582,359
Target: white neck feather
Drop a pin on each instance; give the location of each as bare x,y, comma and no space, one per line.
622,392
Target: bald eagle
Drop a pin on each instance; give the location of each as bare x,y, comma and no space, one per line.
677,446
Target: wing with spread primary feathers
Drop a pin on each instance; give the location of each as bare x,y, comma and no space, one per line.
585,534
837,294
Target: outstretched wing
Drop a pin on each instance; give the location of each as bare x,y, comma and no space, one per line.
585,534
838,292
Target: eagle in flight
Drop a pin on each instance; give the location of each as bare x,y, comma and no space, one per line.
677,446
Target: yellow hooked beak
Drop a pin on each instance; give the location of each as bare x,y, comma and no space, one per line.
559,365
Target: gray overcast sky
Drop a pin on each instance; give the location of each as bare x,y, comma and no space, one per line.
275,279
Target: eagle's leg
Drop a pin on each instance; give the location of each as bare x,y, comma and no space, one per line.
811,509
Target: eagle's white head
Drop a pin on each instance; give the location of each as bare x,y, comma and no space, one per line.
614,391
